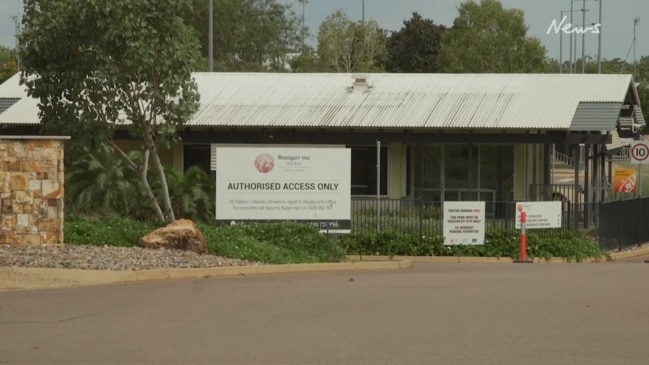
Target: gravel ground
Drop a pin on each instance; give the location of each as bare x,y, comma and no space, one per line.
108,258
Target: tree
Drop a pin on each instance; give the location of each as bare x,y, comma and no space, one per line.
306,61
345,46
96,65
415,48
8,64
486,38
249,35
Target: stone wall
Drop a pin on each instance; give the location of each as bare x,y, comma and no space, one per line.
31,190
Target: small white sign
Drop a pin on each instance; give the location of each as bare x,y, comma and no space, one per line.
639,152
464,223
539,214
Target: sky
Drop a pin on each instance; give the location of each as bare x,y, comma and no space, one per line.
616,37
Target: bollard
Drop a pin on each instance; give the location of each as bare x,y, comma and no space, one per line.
523,246
523,236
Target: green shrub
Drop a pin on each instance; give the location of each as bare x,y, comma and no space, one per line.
392,243
287,242
123,232
275,243
498,243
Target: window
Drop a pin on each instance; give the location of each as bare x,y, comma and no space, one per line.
461,172
497,170
364,170
428,165
464,172
197,155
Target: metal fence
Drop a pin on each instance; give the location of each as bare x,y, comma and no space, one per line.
623,224
618,224
424,218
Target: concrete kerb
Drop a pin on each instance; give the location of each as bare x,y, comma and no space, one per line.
52,278
630,254
353,263
290,268
460,259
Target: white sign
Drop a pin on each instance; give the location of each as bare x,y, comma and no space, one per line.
569,28
262,183
639,152
540,214
464,223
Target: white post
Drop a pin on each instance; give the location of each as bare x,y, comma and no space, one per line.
552,164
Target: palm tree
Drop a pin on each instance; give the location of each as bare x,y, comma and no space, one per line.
192,193
100,183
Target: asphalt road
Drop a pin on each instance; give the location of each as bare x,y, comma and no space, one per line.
432,314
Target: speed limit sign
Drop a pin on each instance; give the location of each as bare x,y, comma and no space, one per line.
640,152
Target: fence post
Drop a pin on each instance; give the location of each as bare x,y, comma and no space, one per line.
378,186
600,228
639,217
421,220
619,224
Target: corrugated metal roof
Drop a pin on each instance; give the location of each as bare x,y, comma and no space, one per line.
11,88
24,109
527,101
595,116
448,101
5,103
23,112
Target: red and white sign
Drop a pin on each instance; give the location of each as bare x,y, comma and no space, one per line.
639,152
539,214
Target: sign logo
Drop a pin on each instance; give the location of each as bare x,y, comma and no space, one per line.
264,163
625,180
640,152
569,28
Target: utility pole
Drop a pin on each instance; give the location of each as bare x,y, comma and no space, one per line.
599,40
16,32
636,21
561,45
363,11
561,48
571,37
304,4
583,40
210,47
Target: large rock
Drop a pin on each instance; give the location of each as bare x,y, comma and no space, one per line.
179,235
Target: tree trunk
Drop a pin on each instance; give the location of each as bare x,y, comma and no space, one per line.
163,179
142,173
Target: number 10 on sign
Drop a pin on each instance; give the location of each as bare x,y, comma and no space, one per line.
639,152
